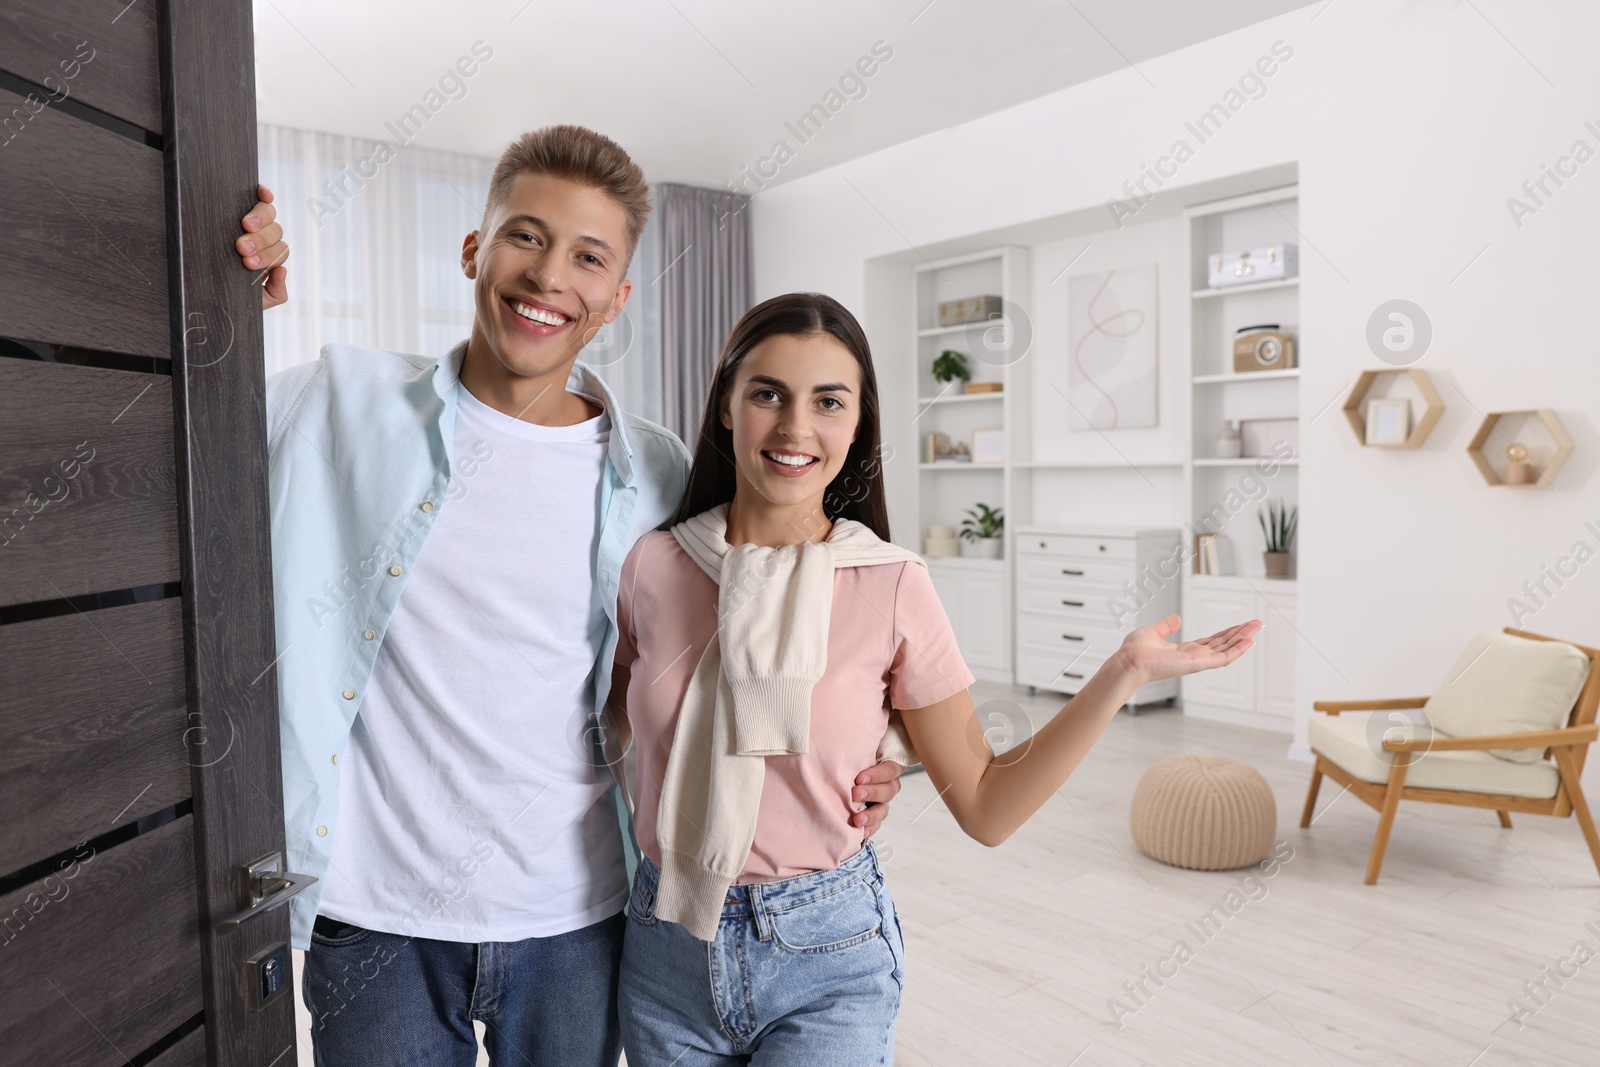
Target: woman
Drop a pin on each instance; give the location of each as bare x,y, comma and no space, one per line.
766,633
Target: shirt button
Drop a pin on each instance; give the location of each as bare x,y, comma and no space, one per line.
336,759
370,634
322,831
427,505
396,570
349,694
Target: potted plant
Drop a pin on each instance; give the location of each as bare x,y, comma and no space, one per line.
949,366
982,533
1278,525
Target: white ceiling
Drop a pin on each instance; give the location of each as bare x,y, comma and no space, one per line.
697,89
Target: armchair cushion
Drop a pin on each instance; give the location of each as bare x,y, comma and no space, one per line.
1504,684
1355,744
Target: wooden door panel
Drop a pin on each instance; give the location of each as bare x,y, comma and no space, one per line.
100,965
88,490
122,73
86,236
140,719
227,557
92,726
188,1052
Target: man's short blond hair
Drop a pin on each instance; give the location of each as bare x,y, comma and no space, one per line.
580,155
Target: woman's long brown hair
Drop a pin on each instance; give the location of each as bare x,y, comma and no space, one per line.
856,492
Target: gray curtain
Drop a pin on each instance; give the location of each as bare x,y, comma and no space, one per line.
705,281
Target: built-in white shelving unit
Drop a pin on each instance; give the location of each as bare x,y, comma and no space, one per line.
976,592
1258,690
1058,477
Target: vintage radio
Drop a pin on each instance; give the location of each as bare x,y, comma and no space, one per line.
1263,347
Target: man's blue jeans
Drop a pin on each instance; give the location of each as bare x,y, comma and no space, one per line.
383,1000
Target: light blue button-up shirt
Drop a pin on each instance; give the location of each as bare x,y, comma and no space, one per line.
359,445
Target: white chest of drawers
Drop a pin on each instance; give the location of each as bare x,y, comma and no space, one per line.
1080,589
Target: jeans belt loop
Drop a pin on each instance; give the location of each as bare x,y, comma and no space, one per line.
758,913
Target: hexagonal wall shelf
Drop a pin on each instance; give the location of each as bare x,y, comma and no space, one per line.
1552,426
1433,405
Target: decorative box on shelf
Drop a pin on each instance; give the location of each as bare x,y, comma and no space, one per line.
1250,266
972,309
1080,589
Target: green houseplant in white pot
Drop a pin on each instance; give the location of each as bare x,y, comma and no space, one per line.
982,533
951,366
1279,524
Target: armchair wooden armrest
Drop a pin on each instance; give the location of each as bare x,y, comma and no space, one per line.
1334,707
1569,735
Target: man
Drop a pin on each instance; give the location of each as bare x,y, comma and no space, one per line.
447,537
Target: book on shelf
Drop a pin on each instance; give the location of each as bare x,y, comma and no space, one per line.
1213,554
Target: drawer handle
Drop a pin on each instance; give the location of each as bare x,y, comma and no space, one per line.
1043,545
1102,548
1073,603
1071,637
1076,574
1071,674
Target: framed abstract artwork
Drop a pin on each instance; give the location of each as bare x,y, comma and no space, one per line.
1111,354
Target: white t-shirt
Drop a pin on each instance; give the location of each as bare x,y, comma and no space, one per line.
470,809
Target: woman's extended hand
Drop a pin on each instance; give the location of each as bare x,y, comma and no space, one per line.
1148,654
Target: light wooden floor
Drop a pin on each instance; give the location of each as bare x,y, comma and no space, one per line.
1013,953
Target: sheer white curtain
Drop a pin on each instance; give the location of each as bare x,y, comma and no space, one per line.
375,248
376,259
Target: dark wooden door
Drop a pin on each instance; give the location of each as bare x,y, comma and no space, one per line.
138,708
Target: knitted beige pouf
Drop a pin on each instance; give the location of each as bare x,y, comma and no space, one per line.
1207,813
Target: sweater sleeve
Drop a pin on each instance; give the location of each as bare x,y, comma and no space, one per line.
772,657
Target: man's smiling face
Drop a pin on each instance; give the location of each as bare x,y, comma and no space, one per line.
547,268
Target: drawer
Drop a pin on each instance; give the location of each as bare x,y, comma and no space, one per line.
1048,670
1075,545
1045,634
1111,572
1085,605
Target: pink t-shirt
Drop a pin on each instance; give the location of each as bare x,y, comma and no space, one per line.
889,645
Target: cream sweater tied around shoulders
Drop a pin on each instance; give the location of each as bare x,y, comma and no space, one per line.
749,698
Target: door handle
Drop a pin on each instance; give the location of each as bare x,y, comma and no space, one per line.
1073,603
263,886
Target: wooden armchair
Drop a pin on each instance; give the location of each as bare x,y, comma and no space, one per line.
1455,769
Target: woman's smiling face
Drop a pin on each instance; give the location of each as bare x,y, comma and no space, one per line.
793,408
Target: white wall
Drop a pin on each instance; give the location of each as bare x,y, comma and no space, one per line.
1412,124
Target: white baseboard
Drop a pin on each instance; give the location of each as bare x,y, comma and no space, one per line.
1301,753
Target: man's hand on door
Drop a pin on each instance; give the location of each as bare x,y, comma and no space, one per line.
261,250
